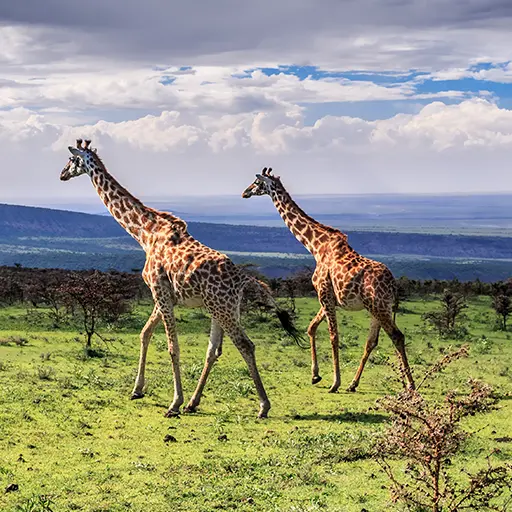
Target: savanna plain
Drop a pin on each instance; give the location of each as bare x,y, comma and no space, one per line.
71,439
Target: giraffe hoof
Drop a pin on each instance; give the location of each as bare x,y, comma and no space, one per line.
136,396
172,414
333,389
264,408
190,409
316,379
352,388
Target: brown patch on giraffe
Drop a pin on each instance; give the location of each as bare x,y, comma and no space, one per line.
322,238
176,238
308,234
299,226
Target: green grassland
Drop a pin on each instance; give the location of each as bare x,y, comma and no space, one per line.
72,440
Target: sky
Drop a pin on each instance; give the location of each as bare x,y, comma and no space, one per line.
194,98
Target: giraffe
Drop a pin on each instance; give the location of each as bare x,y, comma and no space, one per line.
342,277
179,270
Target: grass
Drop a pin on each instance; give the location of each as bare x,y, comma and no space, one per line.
71,439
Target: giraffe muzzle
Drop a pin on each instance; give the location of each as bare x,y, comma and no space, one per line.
65,176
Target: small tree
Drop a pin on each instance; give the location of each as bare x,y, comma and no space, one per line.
502,302
403,291
44,288
445,320
97,297
11,290
428,434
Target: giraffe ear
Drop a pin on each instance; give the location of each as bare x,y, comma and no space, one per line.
266,179
74,151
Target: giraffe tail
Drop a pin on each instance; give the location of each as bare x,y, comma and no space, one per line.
284,316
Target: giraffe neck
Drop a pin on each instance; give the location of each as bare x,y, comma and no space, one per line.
136,218
307,230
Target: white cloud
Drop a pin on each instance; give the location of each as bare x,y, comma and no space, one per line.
101,71
500,73
206,89
441,148
436,127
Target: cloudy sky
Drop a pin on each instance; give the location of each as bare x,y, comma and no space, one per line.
193,98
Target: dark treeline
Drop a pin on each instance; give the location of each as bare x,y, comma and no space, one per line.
300,285
46,287
21,284
93,299
36,286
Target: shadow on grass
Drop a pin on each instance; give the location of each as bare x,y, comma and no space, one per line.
344,417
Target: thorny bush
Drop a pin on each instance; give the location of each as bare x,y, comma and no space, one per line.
428,434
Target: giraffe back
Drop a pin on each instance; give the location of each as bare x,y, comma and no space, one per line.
358,282
199,275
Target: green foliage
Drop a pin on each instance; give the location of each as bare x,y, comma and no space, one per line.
446,320
87,447
36,504
428,435
483,345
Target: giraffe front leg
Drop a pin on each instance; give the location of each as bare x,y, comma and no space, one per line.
213,352
145,338
371,343
313,326
174,352
163,297
328,302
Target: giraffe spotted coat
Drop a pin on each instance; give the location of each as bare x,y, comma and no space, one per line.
342,277
178,270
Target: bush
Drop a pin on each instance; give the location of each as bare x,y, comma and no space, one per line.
428,434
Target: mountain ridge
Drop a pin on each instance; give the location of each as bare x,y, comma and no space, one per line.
45,237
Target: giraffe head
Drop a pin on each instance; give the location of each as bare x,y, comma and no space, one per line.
264,183
82,161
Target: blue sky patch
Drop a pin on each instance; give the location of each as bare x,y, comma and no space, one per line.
367,110
315,73
420,83
167,79
467,85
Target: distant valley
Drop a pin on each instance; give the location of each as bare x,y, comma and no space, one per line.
42,237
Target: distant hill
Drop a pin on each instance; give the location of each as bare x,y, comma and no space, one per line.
20,221
41,236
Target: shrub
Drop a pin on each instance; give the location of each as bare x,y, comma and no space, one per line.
428,434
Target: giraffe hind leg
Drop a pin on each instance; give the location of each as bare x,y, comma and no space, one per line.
247,350
398,340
